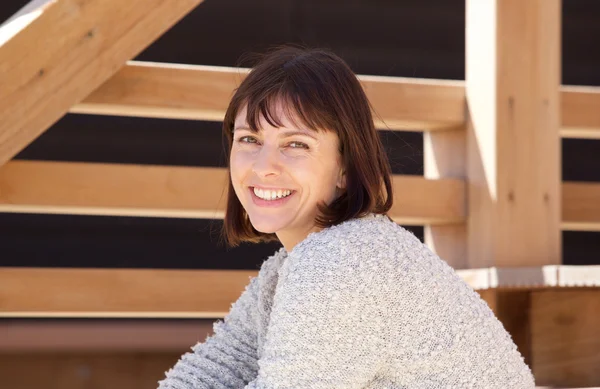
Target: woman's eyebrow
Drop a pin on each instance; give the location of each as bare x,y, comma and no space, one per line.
288,134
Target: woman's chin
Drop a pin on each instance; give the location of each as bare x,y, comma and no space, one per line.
267,225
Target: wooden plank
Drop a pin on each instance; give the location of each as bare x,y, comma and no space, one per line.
23,18
62,336
198,92
565,339
513,309
581,206
183,192
203,93
445,157
85,370
171,91
580,112
513,140
41,292
112,189
65,53
168,191
203,294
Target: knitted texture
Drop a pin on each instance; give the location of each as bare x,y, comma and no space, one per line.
363,304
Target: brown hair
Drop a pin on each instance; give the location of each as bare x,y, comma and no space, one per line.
318,88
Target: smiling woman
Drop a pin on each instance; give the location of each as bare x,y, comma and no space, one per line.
301,122
352,300
280,175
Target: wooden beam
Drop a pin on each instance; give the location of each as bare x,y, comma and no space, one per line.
197,92
112,189
172,91
182,192
565,339
580,112
513,139
60,336
203,294
41,292
118,370
203,93
23,18
581,206
445,157
66,52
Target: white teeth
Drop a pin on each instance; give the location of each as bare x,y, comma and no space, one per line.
271,194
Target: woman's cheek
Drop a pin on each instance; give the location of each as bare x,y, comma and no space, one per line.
239,160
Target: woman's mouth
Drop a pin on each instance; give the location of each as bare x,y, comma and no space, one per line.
270,197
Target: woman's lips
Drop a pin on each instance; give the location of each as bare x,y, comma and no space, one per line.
269,203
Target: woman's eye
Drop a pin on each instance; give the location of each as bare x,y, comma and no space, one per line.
298,145
247,139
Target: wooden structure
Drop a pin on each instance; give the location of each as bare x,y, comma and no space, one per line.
492,199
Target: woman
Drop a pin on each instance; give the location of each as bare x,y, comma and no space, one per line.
351,300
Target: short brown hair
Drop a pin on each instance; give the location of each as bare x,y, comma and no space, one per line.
319,88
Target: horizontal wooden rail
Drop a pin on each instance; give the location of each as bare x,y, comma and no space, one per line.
199,92
581,206
203,93
202,294
102,335
199,192
183,192
580,111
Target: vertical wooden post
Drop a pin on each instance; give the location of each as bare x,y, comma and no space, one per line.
444,157
513,77
513,140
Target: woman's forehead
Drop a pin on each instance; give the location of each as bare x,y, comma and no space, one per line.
288,118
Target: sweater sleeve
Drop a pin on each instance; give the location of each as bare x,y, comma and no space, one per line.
324,332
228,358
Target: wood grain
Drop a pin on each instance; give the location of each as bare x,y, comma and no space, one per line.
183,192
65,53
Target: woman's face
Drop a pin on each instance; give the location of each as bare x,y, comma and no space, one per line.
281,174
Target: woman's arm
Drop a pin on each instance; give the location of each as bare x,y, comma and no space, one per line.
228,358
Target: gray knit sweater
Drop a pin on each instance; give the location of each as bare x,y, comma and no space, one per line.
363,304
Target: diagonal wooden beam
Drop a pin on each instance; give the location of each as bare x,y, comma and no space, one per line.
65,53
184,192
203,92
16,23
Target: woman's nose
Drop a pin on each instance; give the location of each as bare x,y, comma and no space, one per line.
266,162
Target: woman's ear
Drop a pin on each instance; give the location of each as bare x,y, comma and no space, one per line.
341,182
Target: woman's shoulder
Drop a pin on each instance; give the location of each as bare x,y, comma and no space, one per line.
374,244
273,261
370,233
